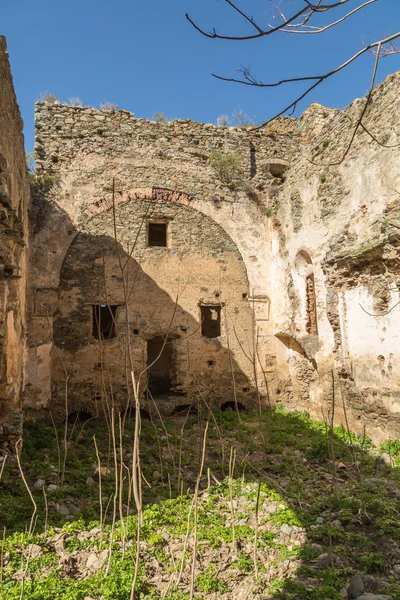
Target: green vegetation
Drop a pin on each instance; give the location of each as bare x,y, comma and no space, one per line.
318,520
226,166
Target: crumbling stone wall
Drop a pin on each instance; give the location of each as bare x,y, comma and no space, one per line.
158,291
347,198
13,237
88,151
302,214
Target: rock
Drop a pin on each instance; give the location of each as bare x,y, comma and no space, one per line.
52,488
356,586
39,484
388,460
336,523
374,597
396,569
96,561
103,472
286,529
271,509
63,510
156,476
319,521
90,482
33,551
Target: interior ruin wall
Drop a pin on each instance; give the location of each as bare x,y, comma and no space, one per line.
308,217
337,222
14,196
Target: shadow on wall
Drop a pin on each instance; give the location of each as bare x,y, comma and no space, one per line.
102,288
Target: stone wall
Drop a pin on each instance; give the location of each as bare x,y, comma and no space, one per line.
340,207
159,291
14,196
301,212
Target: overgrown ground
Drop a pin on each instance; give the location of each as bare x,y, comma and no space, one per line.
286,510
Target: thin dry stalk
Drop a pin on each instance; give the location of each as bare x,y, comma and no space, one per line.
195,508
3,464
46,509
232,460
3,541
256,532
100,491
17,455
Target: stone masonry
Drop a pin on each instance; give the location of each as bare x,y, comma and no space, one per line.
273,275
14,196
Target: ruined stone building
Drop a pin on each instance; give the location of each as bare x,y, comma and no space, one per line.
218,264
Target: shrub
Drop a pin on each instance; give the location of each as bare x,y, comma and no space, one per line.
225,165
241,119
223,121
75,102
47,97
109,106
160,117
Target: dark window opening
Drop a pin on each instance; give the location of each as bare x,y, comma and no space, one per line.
157,234
104,321
160,365
210,321
246,389
211,363
79,416
232,406
244,295
136,332
311,309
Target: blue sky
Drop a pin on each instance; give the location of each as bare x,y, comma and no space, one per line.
145,56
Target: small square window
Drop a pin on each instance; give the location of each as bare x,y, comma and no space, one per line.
157,234
104,321
210,321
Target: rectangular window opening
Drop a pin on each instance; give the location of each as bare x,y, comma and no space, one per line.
157,234
210,321
104,321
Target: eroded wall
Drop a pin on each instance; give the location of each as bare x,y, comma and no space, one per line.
159,291
339,205
86,152
13,237
308,217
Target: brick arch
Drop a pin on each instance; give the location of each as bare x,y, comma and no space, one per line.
241,228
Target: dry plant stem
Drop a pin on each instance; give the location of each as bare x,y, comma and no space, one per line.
160,458
231,364
115,495
3,540
3,464
164,429
195,508
256,532
121,483
180,451
17,455
100,490
46,509
232,459
58,448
